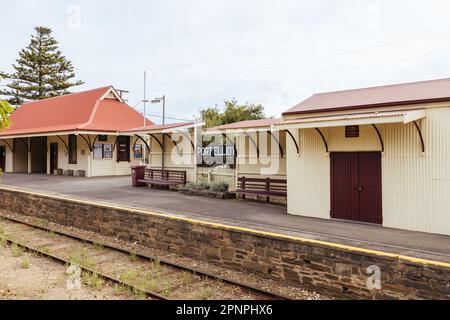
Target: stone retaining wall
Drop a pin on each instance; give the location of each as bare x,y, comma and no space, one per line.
329,269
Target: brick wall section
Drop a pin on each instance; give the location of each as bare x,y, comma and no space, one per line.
323,268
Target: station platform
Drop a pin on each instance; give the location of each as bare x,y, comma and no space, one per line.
237,213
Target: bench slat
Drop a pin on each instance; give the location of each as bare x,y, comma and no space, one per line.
264,187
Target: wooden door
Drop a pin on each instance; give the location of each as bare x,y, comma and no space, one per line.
53,157
370,201
123,148
2,158
356,186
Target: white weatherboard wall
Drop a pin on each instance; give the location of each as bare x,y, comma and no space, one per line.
415,187
94,167
63,155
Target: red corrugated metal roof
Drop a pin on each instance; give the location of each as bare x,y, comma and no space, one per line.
86,110
246,124
391,95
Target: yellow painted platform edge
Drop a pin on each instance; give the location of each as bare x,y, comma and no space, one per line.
239,229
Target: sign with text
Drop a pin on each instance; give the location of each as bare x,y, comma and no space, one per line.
216,155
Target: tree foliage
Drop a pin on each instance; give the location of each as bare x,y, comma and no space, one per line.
5,110
40,72
232,112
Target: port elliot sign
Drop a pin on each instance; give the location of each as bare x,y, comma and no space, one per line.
216,155
216,151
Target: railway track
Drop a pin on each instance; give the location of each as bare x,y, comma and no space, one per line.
139,272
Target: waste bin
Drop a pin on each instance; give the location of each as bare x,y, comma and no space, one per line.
138,173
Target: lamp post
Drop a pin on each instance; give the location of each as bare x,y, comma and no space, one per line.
158,100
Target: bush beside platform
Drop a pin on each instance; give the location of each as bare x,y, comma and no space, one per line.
218,190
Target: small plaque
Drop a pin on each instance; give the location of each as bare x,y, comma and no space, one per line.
352,131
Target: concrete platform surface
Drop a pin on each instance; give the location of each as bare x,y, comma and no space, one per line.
259,216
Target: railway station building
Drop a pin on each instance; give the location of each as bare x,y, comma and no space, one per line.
375,155
91,133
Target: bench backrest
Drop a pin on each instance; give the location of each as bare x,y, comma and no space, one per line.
267,184
167,175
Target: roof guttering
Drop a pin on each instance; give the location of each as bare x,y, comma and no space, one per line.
57,133
368,106
353,119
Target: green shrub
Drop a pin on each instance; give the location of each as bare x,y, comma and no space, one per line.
219,187
198,186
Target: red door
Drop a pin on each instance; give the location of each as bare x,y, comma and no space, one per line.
356,186
2,158
53,157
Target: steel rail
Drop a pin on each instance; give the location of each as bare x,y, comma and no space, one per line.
83,268
205,274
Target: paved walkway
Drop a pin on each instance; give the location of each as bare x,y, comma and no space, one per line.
247,214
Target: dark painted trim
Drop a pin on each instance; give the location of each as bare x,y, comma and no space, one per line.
65,144
115,144
175,143
419,131
143,140
12,149
159,142
93,142
379,137
323,139
232,142
293,139
278,141
187,137
254,143
87,142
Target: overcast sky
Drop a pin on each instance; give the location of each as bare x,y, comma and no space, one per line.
200,52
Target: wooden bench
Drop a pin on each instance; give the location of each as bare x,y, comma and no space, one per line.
164,178
262,187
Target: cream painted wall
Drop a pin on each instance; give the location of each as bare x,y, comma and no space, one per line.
269,164
63,155
182,158
415,187
308,175
94,167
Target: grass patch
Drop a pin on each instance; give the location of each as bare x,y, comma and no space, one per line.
129,276
81,258
92,280
46,250
167,291
98,246
206,294
3,242
16,250
186,278
139,294
133,255
156,266
25,263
